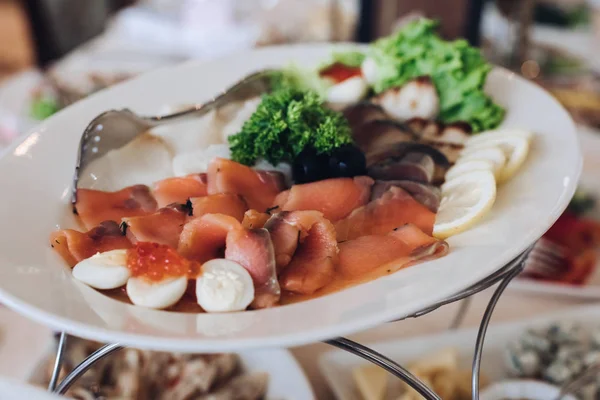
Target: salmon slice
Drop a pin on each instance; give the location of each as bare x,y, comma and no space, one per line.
393,209
285,237
254,219
222,203
258,188
163,227
335,198
308,254
203,238
74,246
398,249
252,248
95,206
180,189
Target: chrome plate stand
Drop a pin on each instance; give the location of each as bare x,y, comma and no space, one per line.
504,276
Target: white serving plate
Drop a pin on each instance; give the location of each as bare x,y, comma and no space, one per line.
38,170
589,181
336,366
286,378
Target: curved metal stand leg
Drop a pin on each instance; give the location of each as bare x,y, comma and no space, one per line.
385,363
461,313
85,365
62,342
487,315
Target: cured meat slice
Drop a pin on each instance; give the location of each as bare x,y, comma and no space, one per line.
258,188
74,246
95,206
163,227
306,250
180,189
393,209
398,249
222,203
334,198
252,248
254,219
203,238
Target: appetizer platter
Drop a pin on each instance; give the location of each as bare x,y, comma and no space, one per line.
542,353
369,184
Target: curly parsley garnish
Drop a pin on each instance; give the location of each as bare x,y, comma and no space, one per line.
285,122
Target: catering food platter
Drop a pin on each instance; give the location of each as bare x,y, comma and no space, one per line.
38,169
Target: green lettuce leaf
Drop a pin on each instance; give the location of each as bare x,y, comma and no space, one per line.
458,71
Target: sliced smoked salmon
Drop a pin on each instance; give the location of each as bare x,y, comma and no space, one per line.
222,203
398,249
74,246
258,188
95,206
393,209
163,227
203,238
179,189
315,256
285,237
335,198
254,219
252,248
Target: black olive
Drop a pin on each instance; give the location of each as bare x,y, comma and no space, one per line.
309,166
347,161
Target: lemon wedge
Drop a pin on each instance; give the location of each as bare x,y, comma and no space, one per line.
491,154
515,149
465,200
469,166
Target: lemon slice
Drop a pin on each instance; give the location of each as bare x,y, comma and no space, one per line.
515,148
492,154
469,166
465,200
498,133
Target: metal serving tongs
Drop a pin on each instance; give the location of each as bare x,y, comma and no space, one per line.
115,128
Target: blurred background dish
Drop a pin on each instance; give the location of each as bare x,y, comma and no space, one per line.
138,374
551,349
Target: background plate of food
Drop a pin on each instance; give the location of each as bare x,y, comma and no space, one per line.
535,355
575,237
188,238
138,374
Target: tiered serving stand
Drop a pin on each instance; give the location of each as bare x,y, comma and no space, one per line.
503,276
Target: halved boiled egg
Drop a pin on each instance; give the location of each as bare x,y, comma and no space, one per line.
106,270
350,90
224,286
162,294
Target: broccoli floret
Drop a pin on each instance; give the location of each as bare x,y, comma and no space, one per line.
285,122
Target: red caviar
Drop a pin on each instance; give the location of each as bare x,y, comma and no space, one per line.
339,72
158,261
